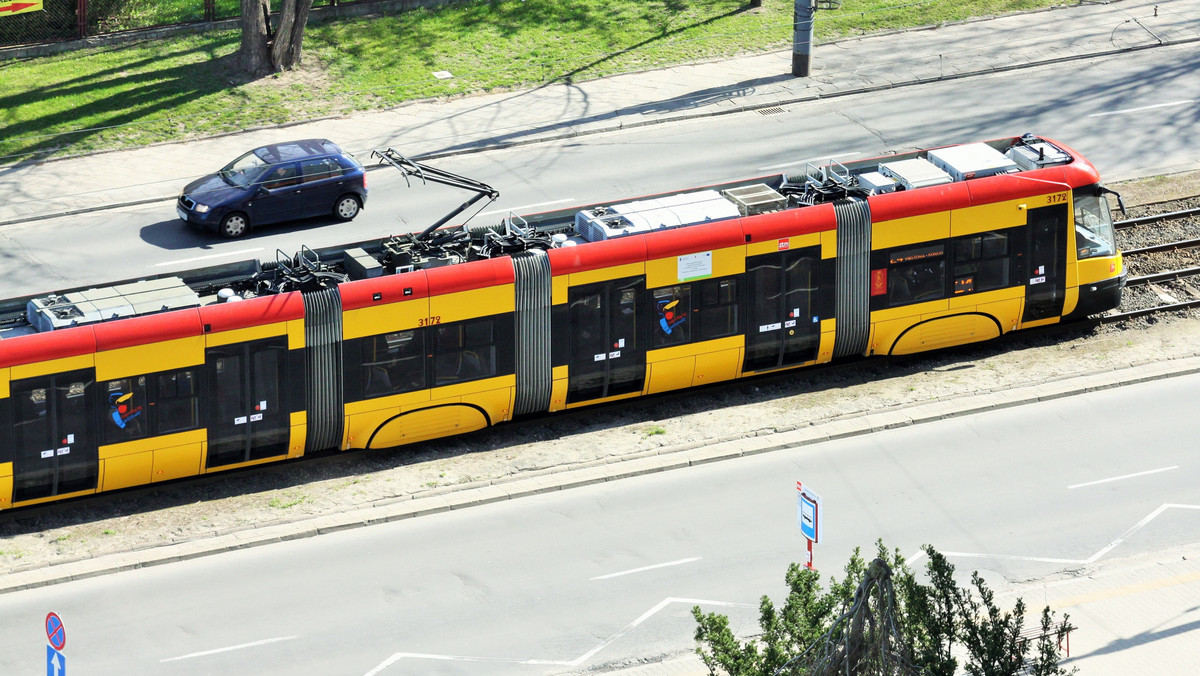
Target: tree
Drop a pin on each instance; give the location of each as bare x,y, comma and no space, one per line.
266,50
880,620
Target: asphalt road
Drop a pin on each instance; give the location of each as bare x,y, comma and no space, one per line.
568,580
1131,115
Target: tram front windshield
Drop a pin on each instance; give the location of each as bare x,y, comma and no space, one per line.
1093,224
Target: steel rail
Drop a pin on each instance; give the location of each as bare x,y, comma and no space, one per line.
1142,220
1167,276
1171,246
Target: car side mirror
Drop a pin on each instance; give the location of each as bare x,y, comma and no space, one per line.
261,191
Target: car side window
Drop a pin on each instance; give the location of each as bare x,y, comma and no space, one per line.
281,176
316,170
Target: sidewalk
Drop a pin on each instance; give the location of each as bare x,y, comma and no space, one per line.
428,129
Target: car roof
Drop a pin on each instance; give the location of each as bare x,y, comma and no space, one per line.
295,150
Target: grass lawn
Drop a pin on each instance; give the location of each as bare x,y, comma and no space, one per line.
188,86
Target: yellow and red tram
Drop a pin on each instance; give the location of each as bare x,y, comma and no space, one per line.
422,336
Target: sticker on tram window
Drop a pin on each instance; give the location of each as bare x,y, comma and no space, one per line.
240,420
770,327
262,405
64,450
614,355
70,438
256,417
1037,280
599,357
48,454
790,323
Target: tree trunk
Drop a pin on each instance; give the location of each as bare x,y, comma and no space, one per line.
293,16
254,55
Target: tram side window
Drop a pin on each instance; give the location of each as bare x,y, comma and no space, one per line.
672,315
717,307
916,274
393,363
981,262
464,351
176,403
31,425
127,411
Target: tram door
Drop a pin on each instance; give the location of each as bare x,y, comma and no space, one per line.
607,356
248,417
54,432
1045,285
784,326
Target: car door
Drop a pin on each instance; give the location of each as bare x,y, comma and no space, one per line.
323,182
278,200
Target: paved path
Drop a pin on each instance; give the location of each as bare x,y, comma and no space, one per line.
436,128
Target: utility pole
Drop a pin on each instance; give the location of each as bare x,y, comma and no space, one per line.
802,37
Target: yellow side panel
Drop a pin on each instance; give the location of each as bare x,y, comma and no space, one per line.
6,485
455,307
299,425
725,262
4,391
394,403
1090,270
177,462
377,319
246,334
714,367
130,361
945,332
605,400
971,301
783,244
988,217
472,388
558,391
42,368
605,274
828,335
295,334
151,443
829,244
902,231
428,423
558,289
670,374
125,471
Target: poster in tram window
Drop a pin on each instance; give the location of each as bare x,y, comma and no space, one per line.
11,7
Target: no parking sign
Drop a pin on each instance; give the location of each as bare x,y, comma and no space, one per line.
56,634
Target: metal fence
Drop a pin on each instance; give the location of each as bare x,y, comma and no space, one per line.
62,20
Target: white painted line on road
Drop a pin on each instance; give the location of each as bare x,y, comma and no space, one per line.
680,562
1126,111
396,657
915,557
523,207
204,258
806,161
229,649
1124,476
1091,559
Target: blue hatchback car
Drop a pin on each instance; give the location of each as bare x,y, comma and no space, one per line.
276,183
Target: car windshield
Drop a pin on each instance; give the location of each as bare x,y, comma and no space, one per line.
244,170
1093,226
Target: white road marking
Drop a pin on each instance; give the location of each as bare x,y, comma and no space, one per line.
645,568
915,557
1091,559
396,657
203,258
806,161
1124,476
1126,111
230,648
523,207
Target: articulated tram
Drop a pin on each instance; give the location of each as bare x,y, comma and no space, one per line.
450,330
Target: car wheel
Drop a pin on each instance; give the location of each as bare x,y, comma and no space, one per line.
346,208
234,225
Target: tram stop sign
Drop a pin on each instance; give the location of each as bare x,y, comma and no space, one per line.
808,513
